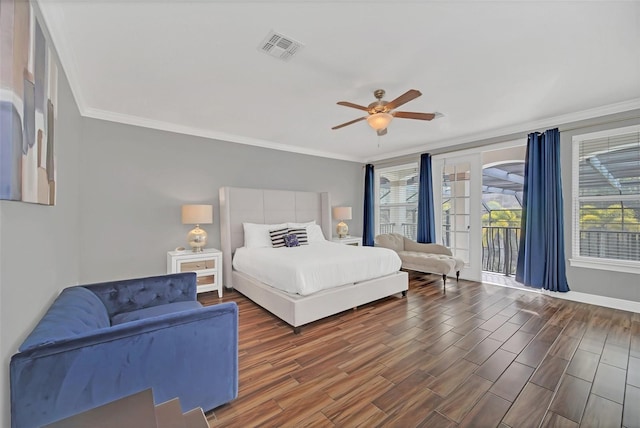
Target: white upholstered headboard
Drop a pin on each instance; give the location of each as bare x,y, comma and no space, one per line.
240,205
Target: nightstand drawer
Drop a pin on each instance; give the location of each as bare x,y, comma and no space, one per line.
199,265
206,279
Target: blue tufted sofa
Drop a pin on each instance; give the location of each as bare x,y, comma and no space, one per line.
101,342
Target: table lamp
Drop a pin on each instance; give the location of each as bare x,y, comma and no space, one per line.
342,214
197,214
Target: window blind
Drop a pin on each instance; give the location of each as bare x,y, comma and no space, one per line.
398,200
608,197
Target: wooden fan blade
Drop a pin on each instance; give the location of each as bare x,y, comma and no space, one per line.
348,104
349,123
382,132
411,94
410,115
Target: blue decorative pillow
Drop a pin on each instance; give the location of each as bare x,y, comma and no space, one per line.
291,240
301,234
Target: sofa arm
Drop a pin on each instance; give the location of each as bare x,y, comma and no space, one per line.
192,355
139,293
410,245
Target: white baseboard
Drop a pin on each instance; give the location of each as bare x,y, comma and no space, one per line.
594,299
576,296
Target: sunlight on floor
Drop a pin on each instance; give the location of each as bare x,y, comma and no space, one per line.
505,281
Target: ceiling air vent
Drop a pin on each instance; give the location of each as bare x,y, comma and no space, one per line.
280,46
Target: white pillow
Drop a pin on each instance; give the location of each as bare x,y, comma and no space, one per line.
300,225
314,234
256,235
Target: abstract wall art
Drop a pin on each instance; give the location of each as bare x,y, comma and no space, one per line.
28,101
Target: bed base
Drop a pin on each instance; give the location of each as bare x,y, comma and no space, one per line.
298,310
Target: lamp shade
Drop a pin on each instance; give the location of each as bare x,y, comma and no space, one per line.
379,121
342,213
197,214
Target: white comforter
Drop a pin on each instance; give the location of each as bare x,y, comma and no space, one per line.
314,267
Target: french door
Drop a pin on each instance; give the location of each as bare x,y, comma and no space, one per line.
457,190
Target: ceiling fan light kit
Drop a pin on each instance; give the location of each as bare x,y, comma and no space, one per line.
379,121
382,112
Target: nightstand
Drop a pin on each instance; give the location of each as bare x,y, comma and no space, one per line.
207,264
349,240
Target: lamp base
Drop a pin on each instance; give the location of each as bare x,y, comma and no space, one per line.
342,230
197,239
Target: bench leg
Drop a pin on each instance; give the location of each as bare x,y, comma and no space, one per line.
404,293
457,275
444,282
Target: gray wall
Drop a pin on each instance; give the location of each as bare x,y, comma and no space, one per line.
618,285
39,251
134,180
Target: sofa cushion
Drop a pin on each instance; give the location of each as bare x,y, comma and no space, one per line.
75,311
154,311
426,262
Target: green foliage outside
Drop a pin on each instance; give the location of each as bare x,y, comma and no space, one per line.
612,218
500,217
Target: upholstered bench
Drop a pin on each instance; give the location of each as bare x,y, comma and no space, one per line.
428,258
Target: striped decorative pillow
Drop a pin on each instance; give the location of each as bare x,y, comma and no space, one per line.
277,237
301,234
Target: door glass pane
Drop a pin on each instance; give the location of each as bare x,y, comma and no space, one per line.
456,209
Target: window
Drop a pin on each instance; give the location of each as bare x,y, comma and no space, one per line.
606,200
398,200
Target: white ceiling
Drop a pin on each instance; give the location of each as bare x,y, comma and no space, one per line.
490,67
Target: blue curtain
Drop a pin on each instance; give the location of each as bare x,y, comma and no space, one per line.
541,262
369,227
426,220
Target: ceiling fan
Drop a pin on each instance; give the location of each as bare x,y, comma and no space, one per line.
382,112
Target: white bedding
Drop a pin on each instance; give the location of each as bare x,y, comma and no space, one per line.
310,268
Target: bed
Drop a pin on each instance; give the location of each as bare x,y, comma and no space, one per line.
262,206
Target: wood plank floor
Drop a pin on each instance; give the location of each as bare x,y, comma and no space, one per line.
479,356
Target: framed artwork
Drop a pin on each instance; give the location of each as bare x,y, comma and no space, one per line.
28,99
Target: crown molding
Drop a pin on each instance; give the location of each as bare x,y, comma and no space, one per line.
523,128
206,133
500,132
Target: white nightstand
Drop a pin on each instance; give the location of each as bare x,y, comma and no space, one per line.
207,264
349,240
